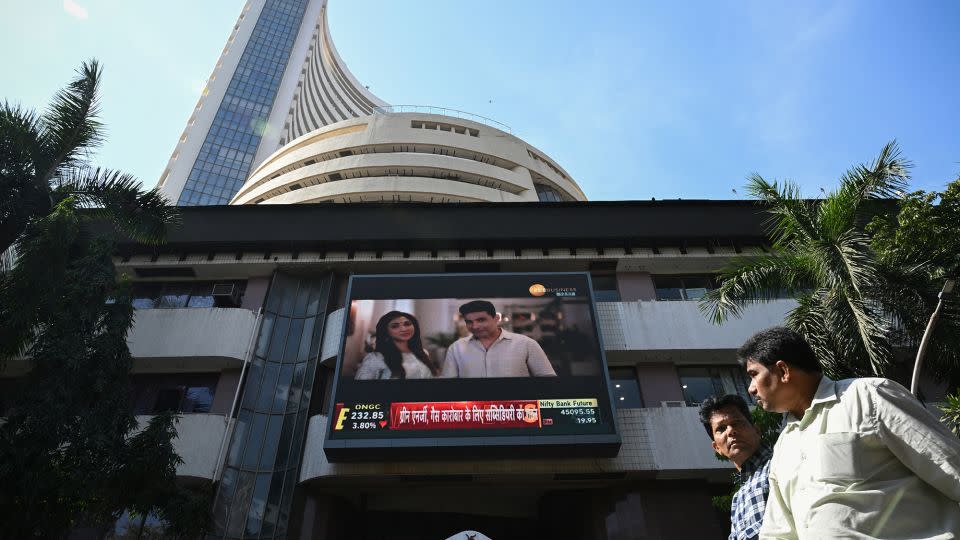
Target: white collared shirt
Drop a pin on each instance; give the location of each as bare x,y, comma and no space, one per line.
511,355
865,461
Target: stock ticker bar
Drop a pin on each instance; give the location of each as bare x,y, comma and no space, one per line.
523,414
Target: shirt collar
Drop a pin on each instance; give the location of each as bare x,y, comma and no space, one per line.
756,461
503,335
826,393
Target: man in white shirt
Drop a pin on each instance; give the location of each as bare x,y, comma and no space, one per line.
857,458
491,351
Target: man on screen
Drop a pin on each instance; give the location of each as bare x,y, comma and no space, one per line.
491,351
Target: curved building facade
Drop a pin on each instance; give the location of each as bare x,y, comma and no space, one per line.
407,157
282,120
278,77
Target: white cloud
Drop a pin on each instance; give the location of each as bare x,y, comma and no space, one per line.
75,9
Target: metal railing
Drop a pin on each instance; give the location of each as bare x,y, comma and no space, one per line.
429,109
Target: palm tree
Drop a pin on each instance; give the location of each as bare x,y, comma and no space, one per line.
43,162
822,257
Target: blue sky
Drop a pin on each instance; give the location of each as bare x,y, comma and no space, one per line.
635,99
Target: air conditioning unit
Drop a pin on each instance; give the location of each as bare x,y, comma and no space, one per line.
226,295
673,403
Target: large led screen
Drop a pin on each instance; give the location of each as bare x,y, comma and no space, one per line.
470,365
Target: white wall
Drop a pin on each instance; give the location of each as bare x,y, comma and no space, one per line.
191,333
653,325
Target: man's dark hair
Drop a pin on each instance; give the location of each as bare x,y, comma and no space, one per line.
779,343
478,305
713,404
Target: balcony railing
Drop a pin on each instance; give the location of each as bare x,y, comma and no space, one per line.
429,109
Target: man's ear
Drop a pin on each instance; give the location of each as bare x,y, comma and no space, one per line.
715,447
785,371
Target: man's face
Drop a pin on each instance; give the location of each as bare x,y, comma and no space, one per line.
734,437
766,386
481,324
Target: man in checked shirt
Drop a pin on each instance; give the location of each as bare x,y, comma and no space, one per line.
730,427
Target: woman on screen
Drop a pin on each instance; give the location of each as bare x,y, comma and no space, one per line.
398,353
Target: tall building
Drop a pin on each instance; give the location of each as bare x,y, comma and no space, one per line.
282,113
278,77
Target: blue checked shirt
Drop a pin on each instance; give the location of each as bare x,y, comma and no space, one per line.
749,502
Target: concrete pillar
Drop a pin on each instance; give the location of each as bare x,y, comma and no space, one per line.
635,286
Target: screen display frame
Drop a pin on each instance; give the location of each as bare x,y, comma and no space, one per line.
438,446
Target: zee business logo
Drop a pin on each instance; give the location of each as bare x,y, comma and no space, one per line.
539,290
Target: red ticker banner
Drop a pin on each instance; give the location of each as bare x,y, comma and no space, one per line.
465,415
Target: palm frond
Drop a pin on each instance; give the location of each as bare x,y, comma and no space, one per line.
23,196
791,217
750,280
143,215
809,320
71,124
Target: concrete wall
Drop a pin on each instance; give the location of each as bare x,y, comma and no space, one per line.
660,442
197,443
190,338
635,286
225,392
644,326
388,158
255,293
658,383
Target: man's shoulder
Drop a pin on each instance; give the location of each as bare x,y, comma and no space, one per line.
866,386
461,343
517,337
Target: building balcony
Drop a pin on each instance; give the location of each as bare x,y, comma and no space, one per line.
190,339
660,443
198,443
677,330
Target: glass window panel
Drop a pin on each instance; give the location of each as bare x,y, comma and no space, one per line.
278,340
252,388
308,383
288,483
267,387
283,388
272,438
258,503
144,303
296,387
266,330
696,287
668,288
251,453
238,510
291,349
239,438
286,437
695,293
698,384
174,295
288,294
303,297
305,339
272,511
224,497
313,305
201,301
316,340
625,388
